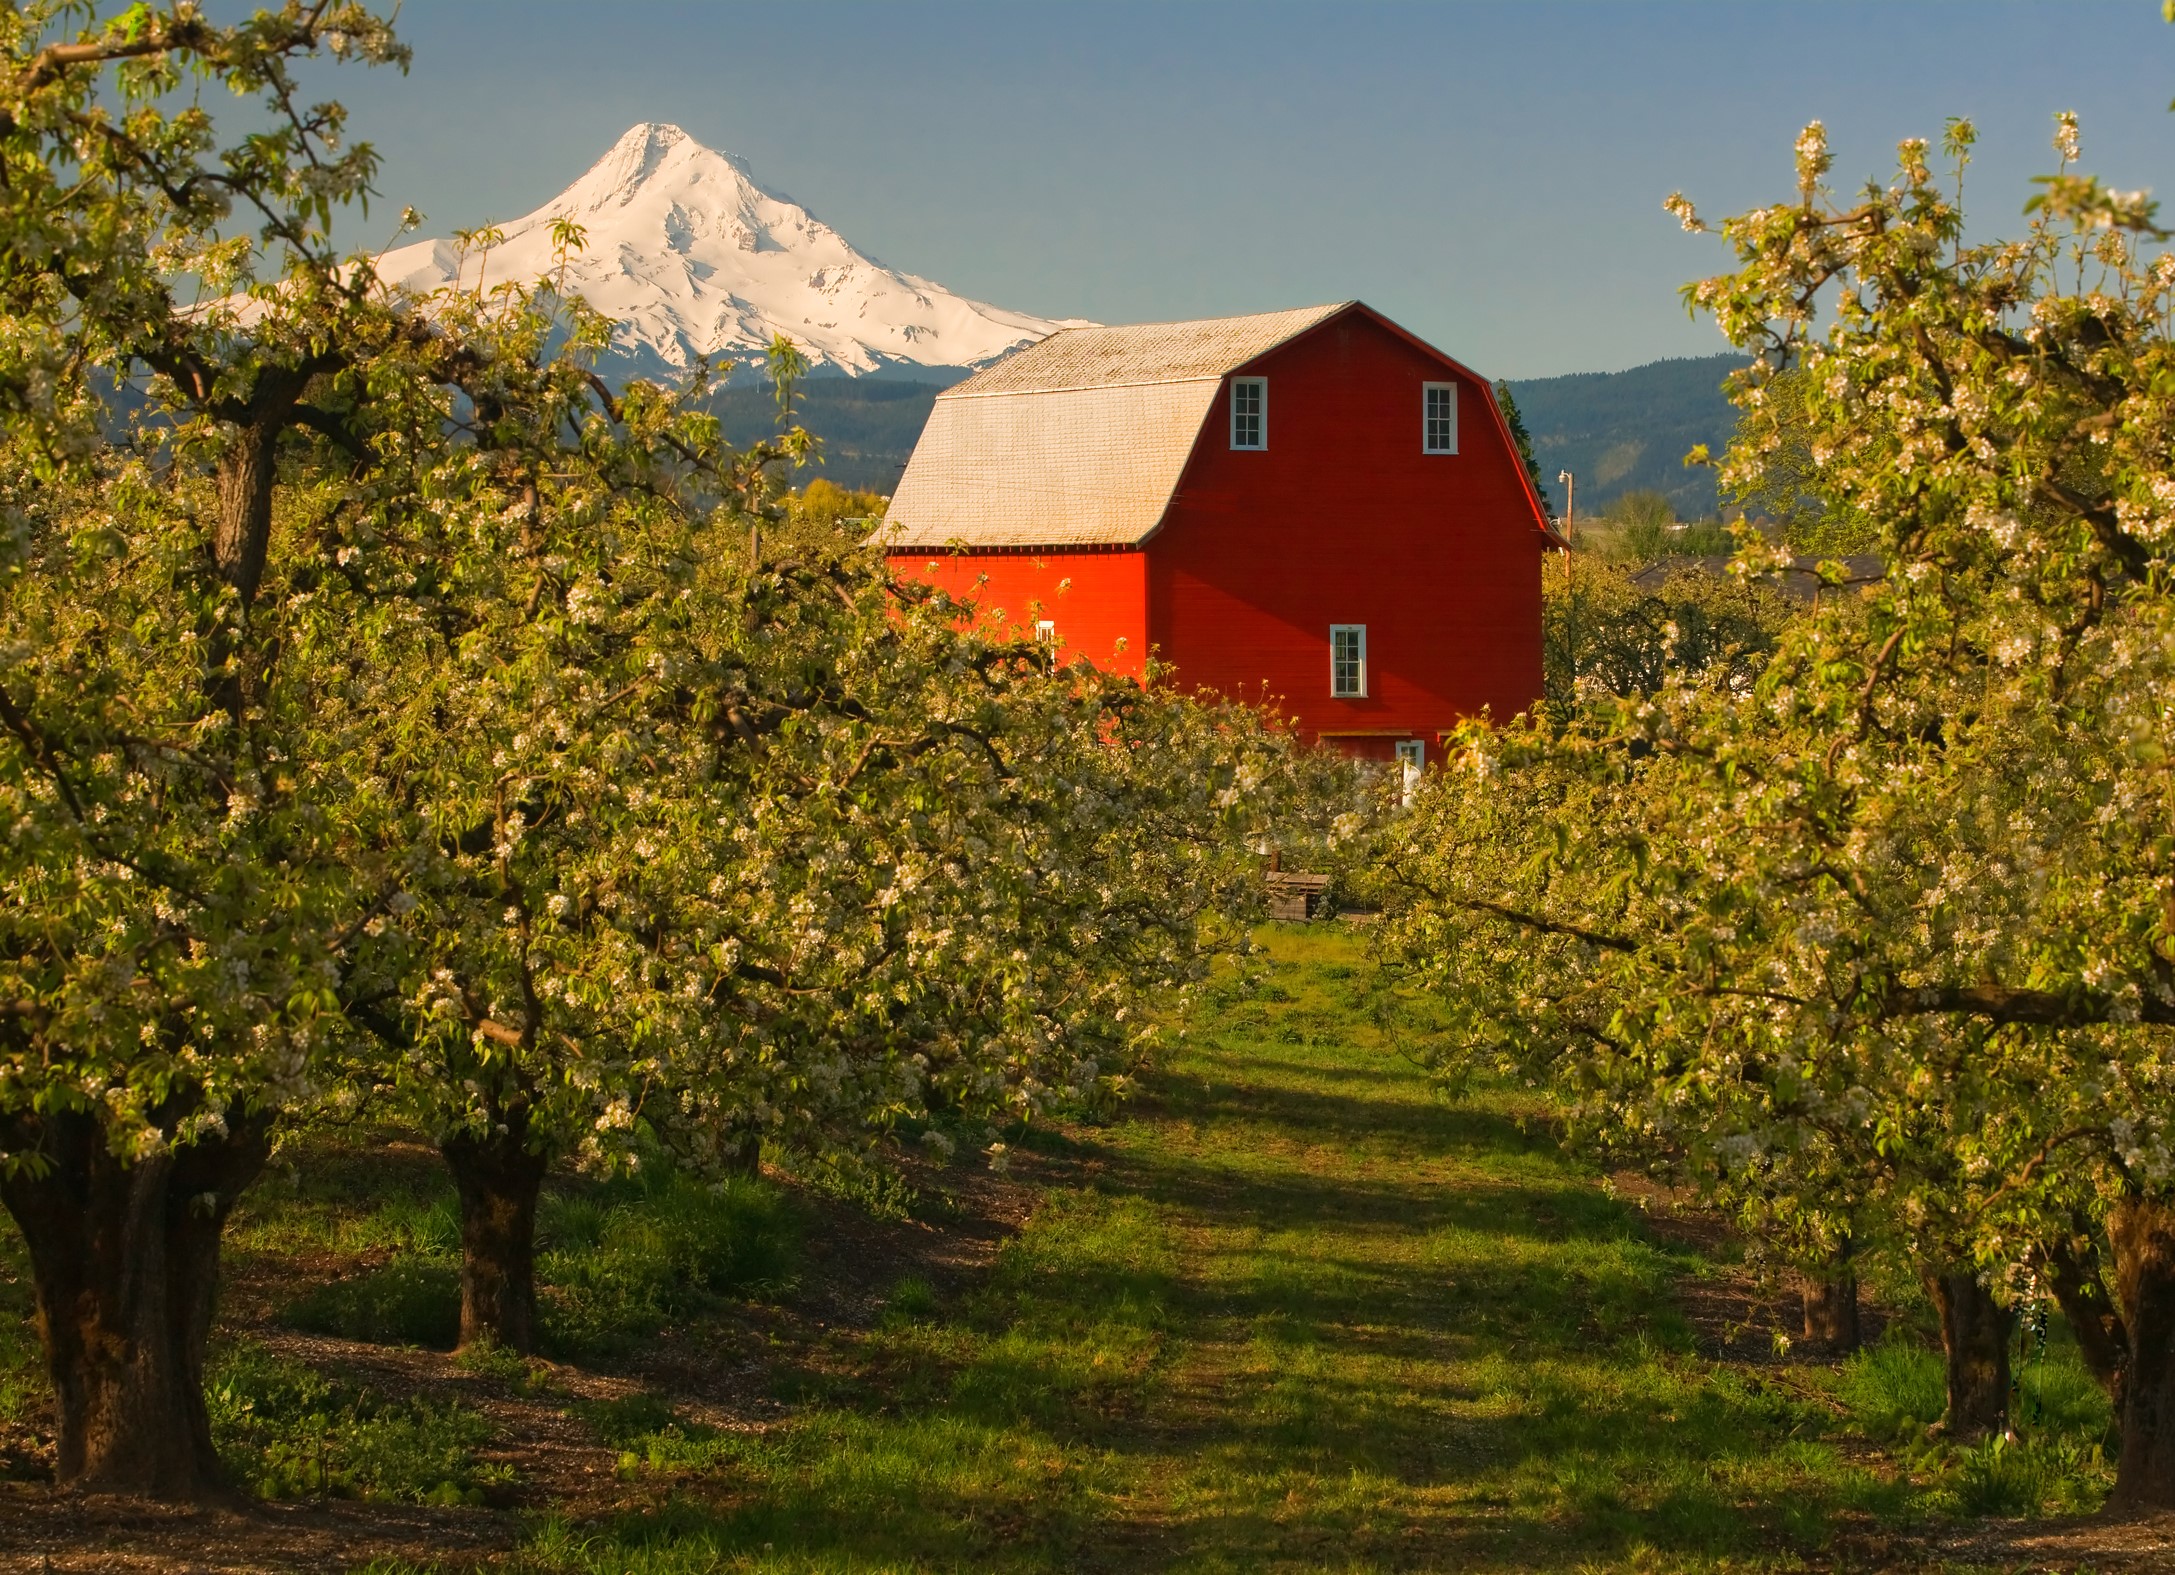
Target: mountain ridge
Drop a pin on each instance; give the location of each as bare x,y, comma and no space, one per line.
1618,432
1629,431
692,258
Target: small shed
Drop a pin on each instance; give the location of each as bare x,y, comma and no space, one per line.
1297,897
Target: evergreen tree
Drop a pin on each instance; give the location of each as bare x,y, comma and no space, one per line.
1508,404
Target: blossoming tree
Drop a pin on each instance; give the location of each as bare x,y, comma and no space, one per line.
174,884
1889,937
389,709
727,845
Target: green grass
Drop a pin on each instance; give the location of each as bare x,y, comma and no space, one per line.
23,1387
366,1194
412,1300
622,1263
285,1430
1296,1312
1293,1311
617,1263
2057,1464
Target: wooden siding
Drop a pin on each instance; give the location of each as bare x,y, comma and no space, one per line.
1343,519
1094,598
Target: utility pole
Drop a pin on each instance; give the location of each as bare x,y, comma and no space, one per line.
1570,601
1570,514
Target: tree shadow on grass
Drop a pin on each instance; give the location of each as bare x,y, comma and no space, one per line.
1236,1190
1295,1313
1438,1131
1332,1409
1296,1472
1387,1075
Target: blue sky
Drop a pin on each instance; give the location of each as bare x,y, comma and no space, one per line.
1489,174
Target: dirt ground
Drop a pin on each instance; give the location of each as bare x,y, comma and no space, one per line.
727,1382
851,1261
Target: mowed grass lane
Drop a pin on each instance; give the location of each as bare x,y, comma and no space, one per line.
1292,1312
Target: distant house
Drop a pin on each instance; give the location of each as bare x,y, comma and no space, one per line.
1312,504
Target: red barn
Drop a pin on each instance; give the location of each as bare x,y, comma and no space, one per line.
1312,503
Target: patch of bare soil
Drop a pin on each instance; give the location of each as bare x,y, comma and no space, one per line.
79,1535
2081,1547
1737,1314
2097,1544
722,1374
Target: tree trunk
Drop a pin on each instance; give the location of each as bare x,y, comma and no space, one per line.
2080,1290
1831,1313
2142,1234
1831,1305
125,1261
498,1176
1975,1333
245,475
747,1160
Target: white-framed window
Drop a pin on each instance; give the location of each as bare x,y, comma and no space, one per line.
1411,762
1348,661
1249,412
1438,418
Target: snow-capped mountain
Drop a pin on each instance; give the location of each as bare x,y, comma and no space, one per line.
691,257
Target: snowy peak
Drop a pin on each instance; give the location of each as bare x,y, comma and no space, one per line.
655,158
635,157
692,258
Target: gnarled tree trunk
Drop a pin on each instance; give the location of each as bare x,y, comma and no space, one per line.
2074,1275
125,1259
499,1177
1975,1332
1831,1307
747,1160
245,476
2142,1234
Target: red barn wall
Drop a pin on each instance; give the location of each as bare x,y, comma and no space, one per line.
1342,519
1094,598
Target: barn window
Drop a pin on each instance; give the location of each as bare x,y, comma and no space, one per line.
1348,661
1411,761
1249,412
1438,418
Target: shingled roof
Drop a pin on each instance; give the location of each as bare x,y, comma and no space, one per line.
1077,440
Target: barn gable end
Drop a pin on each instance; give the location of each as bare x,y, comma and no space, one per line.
1096,489
1343,521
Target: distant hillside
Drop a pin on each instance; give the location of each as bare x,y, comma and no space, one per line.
1618,432
868,425
1622,432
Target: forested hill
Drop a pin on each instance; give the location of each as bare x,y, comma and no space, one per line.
1617,432
1620,432
868,425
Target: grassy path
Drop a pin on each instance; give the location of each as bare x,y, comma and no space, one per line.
1293,1312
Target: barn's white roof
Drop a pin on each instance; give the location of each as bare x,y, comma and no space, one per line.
1077,440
